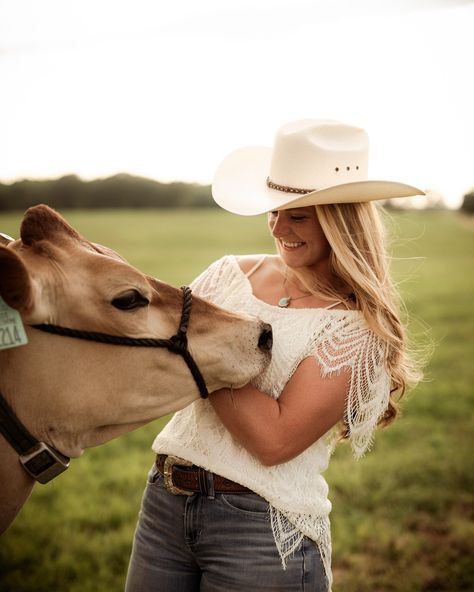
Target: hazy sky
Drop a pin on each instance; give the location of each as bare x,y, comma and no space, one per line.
167,89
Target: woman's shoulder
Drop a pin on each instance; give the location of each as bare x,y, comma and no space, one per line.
249,262
224,268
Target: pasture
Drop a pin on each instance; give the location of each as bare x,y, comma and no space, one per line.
402,517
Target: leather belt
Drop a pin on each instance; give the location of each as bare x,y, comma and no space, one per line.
181,477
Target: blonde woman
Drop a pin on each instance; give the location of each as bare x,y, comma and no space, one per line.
236,499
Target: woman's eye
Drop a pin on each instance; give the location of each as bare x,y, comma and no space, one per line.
298,218
130,300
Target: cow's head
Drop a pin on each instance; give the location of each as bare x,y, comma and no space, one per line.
73,393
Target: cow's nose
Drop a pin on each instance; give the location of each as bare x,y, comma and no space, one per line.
265,341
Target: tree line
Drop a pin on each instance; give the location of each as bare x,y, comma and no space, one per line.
128,191
118,191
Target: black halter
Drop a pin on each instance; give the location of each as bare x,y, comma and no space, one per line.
178,344
43,462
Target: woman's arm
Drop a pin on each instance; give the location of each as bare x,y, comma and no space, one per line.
275,431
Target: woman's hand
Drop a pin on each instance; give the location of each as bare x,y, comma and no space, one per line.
275,431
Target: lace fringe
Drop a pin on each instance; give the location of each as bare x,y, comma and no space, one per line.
289,533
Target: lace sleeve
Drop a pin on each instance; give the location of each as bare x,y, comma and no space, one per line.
348,343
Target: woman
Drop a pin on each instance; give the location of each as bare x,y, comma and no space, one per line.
236,499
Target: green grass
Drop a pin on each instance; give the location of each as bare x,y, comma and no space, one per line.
402,516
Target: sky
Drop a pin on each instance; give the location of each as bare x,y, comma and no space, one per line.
166,89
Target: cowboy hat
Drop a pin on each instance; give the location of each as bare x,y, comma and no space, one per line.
312,162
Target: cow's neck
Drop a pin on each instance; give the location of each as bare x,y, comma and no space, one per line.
45,386
15,484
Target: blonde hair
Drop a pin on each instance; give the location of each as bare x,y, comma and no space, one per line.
359,261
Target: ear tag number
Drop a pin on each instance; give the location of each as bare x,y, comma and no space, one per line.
12,331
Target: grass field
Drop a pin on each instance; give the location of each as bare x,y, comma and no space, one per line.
402,516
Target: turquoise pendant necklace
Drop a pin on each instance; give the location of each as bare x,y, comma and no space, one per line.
284,302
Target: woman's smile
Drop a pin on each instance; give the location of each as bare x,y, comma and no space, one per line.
291,244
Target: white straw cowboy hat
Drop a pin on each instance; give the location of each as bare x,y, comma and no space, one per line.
312,162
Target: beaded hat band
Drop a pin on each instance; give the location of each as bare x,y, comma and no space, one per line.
287,189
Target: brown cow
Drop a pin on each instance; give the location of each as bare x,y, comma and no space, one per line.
73,393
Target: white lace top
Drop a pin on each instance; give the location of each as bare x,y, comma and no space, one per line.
296,490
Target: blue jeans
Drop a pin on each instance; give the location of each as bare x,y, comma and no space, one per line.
221,544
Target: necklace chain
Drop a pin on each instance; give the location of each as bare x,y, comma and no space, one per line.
284,302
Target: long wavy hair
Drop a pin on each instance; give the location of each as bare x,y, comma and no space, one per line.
359,263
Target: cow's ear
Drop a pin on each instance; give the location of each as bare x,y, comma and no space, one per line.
42,223
15,282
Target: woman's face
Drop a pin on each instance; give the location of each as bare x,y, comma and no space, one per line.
300,238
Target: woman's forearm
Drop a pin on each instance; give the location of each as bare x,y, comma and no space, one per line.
276,431
252,417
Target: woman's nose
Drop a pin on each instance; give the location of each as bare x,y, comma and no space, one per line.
279,226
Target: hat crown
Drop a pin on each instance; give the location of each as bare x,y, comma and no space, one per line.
314,153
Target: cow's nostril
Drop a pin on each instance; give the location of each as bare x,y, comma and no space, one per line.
265,341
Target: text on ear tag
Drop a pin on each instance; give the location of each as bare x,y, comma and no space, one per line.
12,331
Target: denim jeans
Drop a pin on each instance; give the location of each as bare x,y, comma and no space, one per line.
221,544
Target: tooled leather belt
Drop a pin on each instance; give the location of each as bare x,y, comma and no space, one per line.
183,478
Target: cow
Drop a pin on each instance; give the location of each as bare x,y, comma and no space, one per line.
86,353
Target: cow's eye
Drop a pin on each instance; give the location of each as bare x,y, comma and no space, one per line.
130,300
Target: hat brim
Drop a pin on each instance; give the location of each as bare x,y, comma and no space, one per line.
240,186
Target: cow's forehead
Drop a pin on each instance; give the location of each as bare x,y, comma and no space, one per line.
61,260
106,251
56,245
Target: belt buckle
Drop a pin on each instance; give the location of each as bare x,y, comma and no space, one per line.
169,463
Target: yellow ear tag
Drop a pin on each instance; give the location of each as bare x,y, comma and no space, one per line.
12,331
